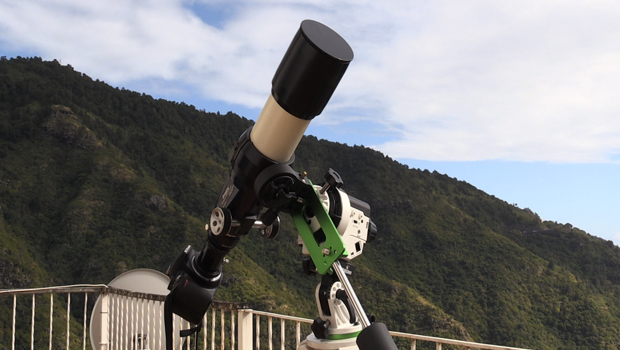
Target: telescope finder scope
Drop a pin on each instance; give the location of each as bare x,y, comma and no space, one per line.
312,67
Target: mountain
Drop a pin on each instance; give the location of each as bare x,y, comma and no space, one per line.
96,180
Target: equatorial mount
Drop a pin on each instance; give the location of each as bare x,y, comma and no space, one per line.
261,184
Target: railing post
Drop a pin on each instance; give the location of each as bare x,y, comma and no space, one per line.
68,318
212,329
270,331
222,328
13,327
232,329
32,324
51,318
244,327
84,322
105,336
282,334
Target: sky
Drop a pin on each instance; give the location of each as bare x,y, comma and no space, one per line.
520,99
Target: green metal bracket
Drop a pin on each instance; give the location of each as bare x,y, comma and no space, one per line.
327,253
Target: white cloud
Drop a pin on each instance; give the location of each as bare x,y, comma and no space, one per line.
451,80
489,85
118,40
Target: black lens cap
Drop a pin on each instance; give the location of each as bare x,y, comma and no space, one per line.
310,70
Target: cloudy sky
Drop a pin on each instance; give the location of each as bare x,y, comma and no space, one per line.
521,99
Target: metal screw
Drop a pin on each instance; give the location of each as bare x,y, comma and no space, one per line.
326,251
324,188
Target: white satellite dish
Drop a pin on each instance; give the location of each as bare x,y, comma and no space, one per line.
132,323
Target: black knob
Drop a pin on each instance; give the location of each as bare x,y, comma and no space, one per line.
333,179
320,328
372,232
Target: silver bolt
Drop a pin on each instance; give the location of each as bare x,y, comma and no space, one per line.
324,188
326,251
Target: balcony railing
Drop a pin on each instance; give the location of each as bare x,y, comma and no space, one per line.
60,318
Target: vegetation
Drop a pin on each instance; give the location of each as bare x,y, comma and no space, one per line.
96,180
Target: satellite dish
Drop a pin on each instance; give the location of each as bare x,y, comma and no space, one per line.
132,323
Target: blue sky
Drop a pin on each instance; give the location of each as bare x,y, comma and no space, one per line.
520,99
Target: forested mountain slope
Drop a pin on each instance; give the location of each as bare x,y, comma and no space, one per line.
95,181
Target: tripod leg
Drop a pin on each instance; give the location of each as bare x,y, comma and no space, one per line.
357,306
374,336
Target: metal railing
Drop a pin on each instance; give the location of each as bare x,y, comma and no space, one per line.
128,320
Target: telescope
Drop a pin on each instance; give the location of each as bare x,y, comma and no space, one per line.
261,184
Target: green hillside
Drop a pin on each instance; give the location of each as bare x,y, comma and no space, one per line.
96,180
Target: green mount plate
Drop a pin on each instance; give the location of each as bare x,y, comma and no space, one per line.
333,241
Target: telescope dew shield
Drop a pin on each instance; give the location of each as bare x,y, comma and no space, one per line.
308,75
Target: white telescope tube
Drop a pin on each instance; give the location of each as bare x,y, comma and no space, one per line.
277,133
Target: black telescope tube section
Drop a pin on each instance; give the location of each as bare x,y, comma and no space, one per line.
375,337
310,70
